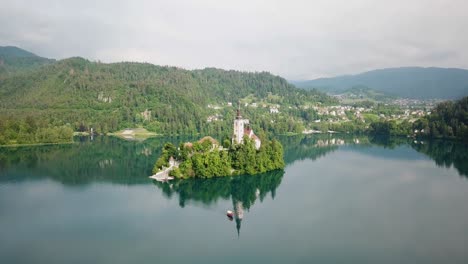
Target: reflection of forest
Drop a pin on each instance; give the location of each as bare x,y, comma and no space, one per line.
446,154
109,159
103,159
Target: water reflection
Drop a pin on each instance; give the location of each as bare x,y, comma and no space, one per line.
105,159
316,146
242,190
128,162
445,154
112,160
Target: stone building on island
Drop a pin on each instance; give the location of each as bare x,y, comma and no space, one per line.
241,129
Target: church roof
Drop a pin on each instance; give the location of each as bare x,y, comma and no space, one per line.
249,132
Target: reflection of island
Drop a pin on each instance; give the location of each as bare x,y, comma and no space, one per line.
108,159
242,190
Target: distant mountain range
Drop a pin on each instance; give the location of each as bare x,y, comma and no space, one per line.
14,59
409,82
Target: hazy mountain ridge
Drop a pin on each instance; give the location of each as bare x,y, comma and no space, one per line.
14,59
410,82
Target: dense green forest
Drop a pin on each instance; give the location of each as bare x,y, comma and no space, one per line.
391,128
27,130
447,120
44,101
108,97
206,158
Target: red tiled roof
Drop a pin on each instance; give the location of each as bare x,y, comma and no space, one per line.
247,133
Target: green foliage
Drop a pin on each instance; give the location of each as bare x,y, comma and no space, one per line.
226,143
447,120
165,100
204,159
29,131
387,110
370,118
390,128
382,127
168,151
348,127
160,163
175,173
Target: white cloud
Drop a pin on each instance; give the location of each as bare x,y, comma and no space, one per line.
295,39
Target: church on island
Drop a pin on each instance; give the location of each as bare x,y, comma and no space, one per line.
241,129
206,158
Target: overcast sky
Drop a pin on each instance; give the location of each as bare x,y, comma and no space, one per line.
295,39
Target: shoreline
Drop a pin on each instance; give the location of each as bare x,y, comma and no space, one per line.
36,144
143,136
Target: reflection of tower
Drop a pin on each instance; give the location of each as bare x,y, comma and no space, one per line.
239,214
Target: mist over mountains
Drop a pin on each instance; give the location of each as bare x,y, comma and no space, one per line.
409,82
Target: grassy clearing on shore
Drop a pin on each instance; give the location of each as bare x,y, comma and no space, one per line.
134,134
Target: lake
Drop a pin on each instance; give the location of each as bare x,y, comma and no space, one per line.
340,199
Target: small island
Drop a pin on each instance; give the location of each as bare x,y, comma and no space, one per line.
206,158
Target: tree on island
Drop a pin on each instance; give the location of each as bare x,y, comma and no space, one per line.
206,158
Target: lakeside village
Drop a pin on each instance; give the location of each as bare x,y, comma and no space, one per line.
365,111
246,153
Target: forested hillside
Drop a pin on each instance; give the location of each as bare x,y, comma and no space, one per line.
409,82
168,100
447,120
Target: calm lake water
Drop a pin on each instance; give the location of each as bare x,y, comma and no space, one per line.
339,200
